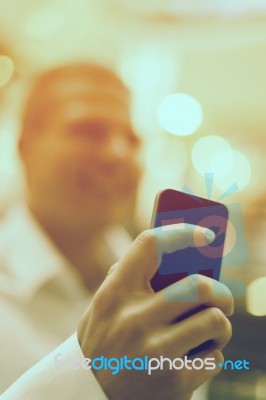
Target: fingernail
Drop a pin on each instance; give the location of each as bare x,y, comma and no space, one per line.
209,236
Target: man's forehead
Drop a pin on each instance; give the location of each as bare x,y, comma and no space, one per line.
98,107
63,87
65,93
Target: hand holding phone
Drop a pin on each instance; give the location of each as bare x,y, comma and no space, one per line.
174,207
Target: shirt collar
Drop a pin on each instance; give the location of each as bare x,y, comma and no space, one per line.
28,259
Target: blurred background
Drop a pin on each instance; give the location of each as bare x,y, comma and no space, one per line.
197,74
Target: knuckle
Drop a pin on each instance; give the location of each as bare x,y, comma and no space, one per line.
112,269
146,238
153,346
98,305
151,351
193,280
230,303
205,286
228,329
217,319
201,284
106,301
131,324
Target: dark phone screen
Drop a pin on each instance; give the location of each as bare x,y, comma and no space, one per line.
173,207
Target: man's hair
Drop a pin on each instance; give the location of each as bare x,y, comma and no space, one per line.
42,99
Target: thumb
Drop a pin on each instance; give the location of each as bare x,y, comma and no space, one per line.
144,256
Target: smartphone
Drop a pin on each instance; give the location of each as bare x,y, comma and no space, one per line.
173,207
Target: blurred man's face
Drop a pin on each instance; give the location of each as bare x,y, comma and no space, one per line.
84,164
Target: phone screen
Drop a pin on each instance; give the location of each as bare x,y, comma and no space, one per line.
174,207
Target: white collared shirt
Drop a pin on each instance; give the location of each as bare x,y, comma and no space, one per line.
42,298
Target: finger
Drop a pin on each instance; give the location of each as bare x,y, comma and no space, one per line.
205,365
208,325
113,267
143,258
188,295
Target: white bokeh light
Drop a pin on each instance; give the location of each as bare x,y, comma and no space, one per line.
239,172
180,114
256,290
212,154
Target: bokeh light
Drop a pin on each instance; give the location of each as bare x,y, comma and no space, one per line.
212,154
6,70
143,70
256,297
180,114
239,172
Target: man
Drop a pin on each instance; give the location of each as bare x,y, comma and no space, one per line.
81,161
81,158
